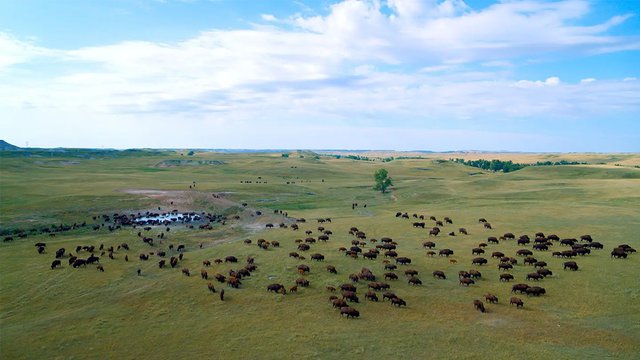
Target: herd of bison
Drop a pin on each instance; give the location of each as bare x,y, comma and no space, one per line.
383,253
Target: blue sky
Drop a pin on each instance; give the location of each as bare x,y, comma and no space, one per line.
374,74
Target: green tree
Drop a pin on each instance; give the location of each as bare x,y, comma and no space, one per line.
383,181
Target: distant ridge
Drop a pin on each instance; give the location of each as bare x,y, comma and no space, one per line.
5,146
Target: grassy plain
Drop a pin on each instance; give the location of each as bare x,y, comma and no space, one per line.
68,313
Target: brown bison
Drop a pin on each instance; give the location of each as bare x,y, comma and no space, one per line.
398,302
439,274
535,291
479,305
231,259
350,296
414,281
506,277
491,298
349,311
276,288
516,301
571,265
522,288
390,276
479,261
466,281
370,295
211,287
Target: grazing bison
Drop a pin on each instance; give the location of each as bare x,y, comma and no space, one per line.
185,271
414,281
204,275
337,303
491,298
79,262
276,288
211,287
60,253
317,257
100,268
302,282
475,274
370,295
303,269
403,260
439,274
477,251
516,301
479,305
349,311
231,259
398,302
506,277
388,295
493,240
55,264
505,266
571,265
161,263
466,281
350,296
332,269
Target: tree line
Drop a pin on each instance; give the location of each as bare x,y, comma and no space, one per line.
508,166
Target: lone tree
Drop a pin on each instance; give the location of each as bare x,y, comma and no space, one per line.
383,181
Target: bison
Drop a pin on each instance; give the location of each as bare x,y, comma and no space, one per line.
516,301
55,264
478,305
571,265
439,274
506,277
349,311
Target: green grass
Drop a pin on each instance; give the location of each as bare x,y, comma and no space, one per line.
82,313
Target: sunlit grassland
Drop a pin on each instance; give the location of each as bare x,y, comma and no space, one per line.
81,313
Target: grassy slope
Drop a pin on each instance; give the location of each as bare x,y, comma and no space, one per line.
69,313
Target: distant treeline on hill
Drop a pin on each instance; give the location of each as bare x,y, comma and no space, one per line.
508,166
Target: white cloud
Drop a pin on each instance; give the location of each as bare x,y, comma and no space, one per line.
587,80
364,62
